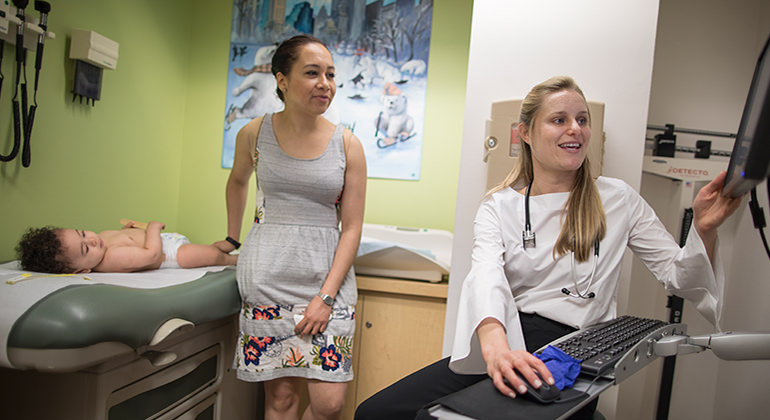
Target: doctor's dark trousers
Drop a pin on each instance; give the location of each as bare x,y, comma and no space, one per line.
410,397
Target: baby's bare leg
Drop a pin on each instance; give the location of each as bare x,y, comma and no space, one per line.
198,255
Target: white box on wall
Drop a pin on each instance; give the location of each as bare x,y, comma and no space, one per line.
93,48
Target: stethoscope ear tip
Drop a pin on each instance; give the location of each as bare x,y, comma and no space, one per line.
566,291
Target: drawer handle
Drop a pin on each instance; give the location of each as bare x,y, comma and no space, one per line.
368,324
160,358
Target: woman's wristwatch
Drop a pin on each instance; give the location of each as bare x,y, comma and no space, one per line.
328,300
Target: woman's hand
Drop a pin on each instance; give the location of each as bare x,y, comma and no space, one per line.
224,246
501,368
502,362
711,207
315,318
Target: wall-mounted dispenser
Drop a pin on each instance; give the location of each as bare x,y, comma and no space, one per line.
93,53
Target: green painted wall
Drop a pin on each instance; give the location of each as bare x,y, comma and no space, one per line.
150,148
92,166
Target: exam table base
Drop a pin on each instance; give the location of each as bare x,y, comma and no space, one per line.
187,378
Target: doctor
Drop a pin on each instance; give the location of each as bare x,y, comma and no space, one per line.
546,259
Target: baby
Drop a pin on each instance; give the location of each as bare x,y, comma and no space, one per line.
55,250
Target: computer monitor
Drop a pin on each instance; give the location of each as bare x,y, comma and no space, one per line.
750,160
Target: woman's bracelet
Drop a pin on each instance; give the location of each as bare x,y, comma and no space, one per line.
235,243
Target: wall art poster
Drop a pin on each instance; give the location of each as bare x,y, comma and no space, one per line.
380,50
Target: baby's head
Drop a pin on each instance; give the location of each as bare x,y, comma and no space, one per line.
54,250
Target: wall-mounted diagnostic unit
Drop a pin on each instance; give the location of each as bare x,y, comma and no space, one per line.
28,33
92,53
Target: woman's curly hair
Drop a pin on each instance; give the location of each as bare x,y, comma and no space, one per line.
38,250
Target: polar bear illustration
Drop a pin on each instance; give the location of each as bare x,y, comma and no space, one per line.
393,121
260,84
414,68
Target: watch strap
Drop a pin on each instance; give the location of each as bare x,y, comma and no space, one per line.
328,300
235,243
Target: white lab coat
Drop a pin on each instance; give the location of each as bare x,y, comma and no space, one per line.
505,278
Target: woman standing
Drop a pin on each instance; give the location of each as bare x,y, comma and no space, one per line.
295,271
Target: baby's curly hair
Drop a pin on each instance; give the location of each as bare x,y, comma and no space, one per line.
38,250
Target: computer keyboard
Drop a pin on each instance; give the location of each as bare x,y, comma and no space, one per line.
600,346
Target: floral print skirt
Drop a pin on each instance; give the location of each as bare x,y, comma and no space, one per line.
268,349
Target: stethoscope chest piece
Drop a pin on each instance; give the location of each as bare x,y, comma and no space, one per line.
529,239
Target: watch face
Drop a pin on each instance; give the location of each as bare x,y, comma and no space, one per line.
327,299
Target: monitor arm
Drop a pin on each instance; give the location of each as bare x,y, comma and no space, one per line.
726,346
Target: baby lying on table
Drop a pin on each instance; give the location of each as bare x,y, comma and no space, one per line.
136,247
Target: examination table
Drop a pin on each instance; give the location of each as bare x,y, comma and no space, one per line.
90,350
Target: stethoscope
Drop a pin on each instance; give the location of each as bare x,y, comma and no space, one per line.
528,238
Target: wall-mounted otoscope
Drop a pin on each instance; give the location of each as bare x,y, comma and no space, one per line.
21,53
23,114
21,57
44,8
2,46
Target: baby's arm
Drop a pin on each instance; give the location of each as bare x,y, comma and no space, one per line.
132,224
125,259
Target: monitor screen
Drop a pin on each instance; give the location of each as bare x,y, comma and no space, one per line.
750,160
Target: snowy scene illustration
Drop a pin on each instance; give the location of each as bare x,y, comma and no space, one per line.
380,50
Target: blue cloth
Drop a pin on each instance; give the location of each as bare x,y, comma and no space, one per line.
564,368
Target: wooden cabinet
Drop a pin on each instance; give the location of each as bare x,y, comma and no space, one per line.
399,329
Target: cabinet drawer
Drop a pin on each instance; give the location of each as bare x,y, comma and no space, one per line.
155,394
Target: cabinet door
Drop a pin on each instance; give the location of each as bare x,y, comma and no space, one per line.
399,334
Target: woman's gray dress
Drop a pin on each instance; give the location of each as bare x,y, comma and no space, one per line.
284,262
